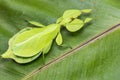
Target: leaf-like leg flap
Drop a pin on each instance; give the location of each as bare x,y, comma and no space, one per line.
75,25
87,20
59,39
68,16
36,24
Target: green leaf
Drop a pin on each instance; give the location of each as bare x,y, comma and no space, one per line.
97,61
75,25
59,39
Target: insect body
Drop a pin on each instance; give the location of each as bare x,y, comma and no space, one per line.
30,42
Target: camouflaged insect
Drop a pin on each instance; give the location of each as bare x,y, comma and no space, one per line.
31,42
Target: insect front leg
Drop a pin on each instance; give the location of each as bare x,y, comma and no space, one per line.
35,24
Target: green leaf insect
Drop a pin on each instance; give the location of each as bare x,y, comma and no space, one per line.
31,42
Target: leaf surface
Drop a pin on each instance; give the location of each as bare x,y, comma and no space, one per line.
98,61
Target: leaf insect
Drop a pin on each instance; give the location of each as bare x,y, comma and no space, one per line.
31,42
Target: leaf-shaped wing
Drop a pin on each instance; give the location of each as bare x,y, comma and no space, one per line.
75,25
30,43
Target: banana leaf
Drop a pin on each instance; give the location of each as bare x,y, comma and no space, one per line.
91,53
